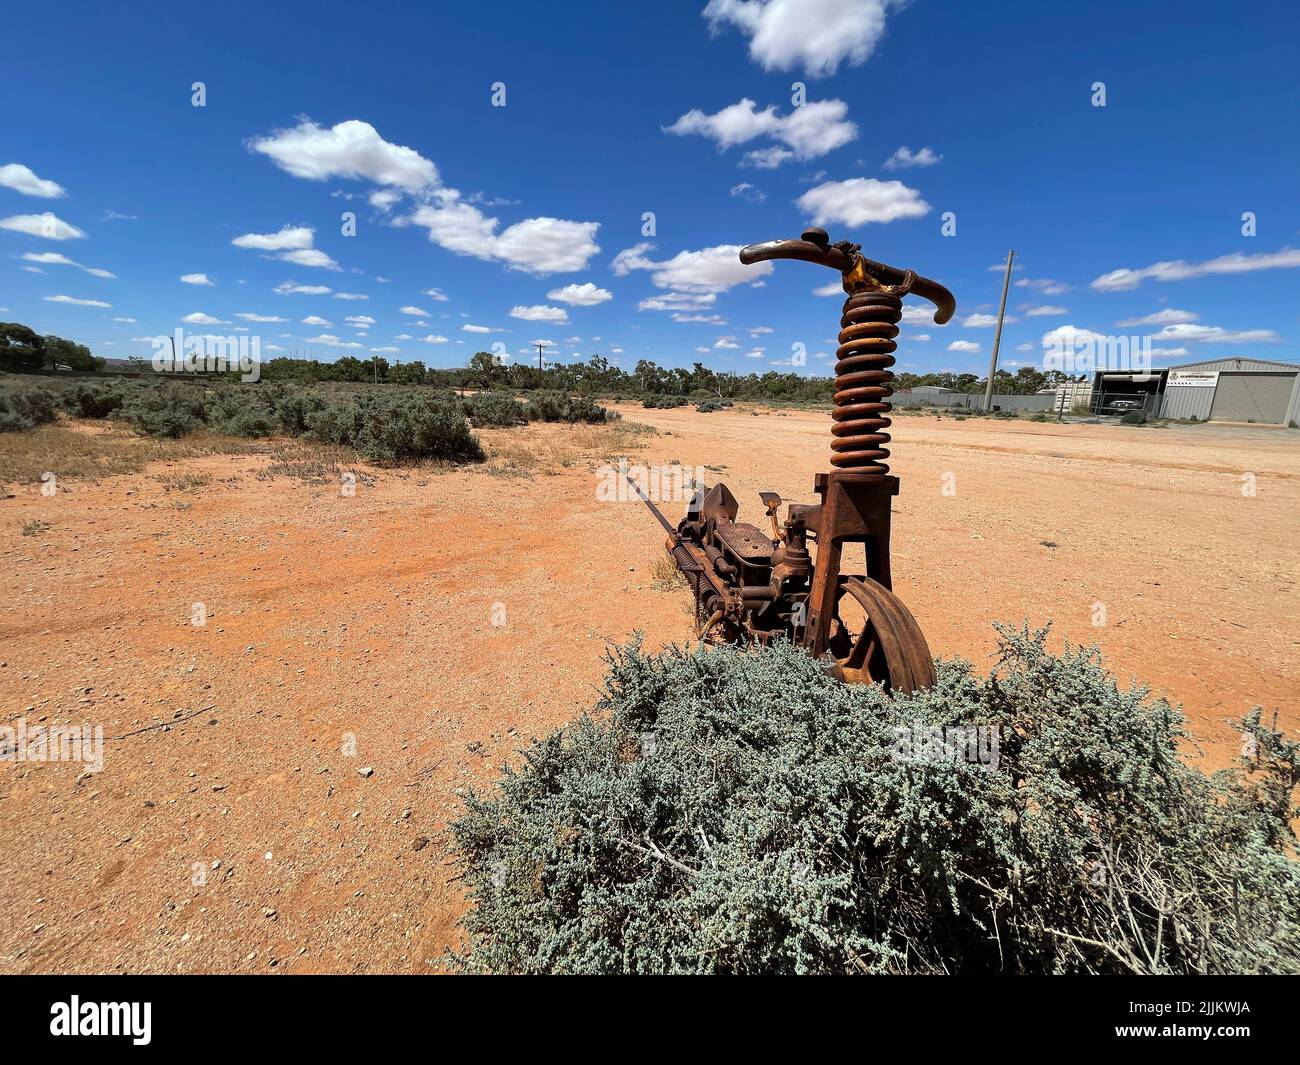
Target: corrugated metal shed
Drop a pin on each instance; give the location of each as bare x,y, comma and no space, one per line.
1234,389
1239,362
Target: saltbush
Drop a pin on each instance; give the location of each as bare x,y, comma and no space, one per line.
664,402
498,409
561,407
85,400
26,408
742,812
168,411
401,427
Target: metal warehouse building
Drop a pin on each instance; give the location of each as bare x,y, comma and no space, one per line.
1233,390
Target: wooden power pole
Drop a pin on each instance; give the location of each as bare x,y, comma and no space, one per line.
997,336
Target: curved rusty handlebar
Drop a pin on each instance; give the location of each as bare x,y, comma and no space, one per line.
815,247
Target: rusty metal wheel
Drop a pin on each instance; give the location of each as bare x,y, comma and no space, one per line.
875,639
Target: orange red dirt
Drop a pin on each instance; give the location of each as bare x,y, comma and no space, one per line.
239,830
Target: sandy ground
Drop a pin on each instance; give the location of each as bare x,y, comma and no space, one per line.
277,782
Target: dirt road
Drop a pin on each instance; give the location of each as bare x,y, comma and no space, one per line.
277,780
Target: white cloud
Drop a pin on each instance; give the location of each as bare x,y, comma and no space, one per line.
432,339
1045,285
331,341
541,313
537,246
359,321
384,200
308,257
288,237
704,272
1168,316
726,343
584,295
905,157
858,201
54,258
1044,310
746,191
199,318
1208,333
21,179
818,127
1178,270
131,320
985,321
196,279
467,328
706,319
352,149
315,319
1070,338
418,312
767,158
831,288
47,225
250,317
288,288
963,345
77,302
353,296
435,294
817,35
678,301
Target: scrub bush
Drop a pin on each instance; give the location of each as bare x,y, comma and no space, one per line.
498,409
168,411
25,409
396,428
92,401
559,407
660,402
742,812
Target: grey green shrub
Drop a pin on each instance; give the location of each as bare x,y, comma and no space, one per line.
26,408
727,811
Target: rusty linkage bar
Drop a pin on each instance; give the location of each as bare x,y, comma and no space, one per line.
750,587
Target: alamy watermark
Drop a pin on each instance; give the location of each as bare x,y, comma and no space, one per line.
976,744
1081,351
20,742
660,484
208,353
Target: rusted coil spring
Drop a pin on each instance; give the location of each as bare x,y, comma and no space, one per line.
864,382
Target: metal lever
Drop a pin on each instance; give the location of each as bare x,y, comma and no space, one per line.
856,268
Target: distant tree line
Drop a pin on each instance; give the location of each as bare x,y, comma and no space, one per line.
23,350
598,376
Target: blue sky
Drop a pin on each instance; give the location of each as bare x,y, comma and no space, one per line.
526,220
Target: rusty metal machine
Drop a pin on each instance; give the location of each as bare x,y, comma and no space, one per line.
751,587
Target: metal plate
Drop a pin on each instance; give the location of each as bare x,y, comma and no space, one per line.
746,542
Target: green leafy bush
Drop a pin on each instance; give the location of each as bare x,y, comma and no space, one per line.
739,812
26,408
662,402
499,409
402,427
92,400
1134,417
169,411
560,407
